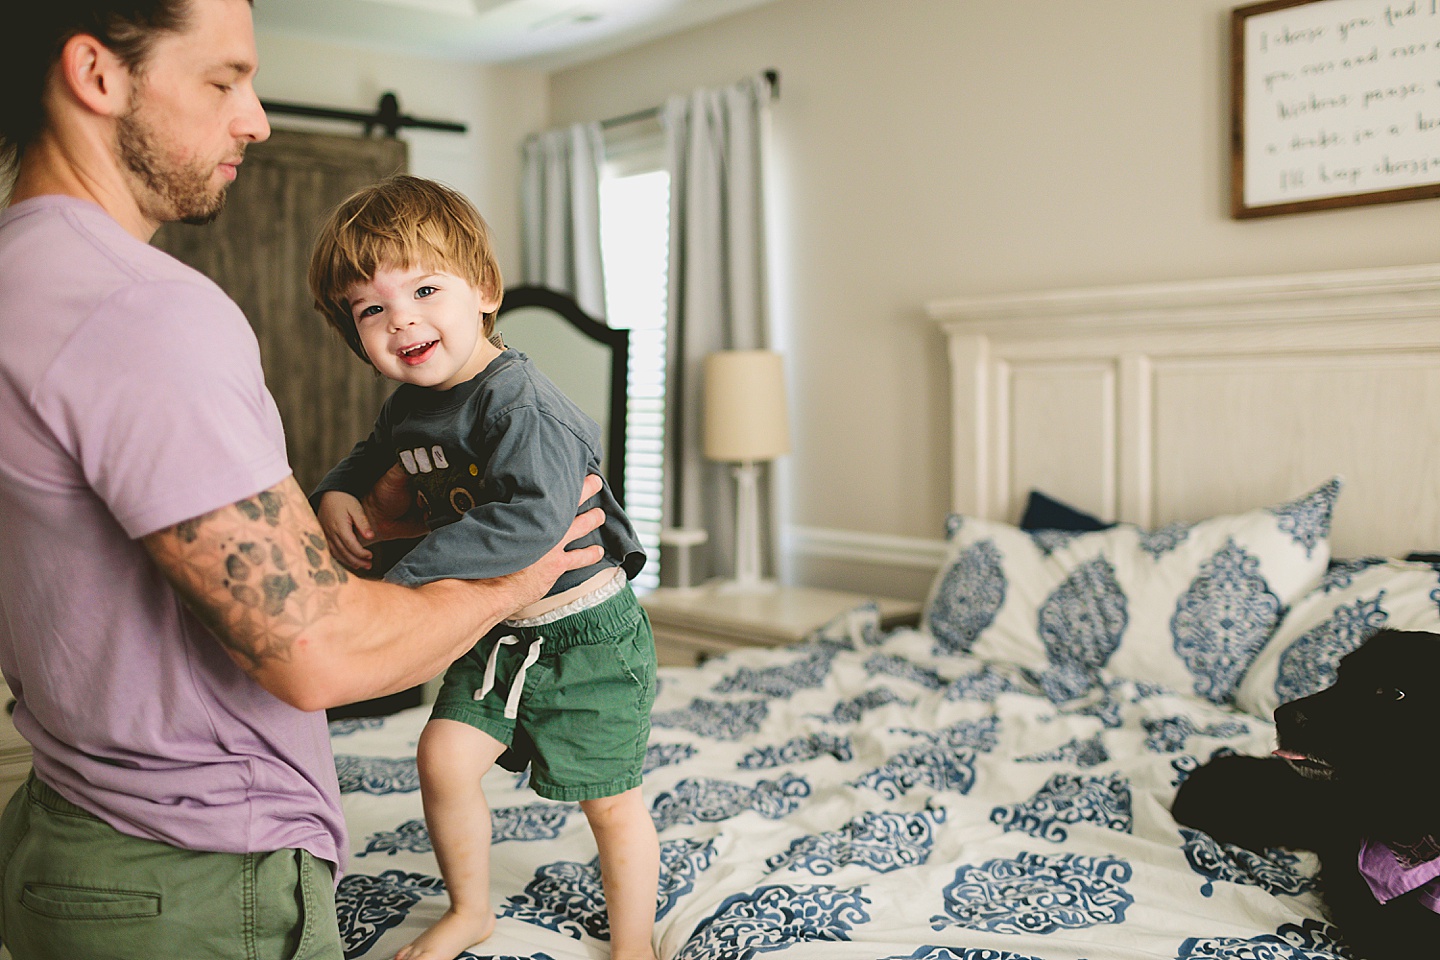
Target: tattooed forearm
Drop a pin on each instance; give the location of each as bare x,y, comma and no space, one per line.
266,506
257,573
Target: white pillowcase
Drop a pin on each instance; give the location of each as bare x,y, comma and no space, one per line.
1352,602
1187,606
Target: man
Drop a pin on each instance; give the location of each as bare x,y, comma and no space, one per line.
171,623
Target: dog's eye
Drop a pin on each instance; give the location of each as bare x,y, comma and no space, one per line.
1390,693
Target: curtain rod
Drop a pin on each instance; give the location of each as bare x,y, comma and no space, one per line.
772,77
387,115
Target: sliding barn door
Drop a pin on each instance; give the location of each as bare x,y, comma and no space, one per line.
258,251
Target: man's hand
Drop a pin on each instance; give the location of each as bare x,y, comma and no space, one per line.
535,581
391,509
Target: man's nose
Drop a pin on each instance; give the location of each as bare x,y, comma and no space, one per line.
252,125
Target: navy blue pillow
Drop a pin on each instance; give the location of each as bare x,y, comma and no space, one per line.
1046,513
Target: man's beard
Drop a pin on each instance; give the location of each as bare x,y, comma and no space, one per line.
183,192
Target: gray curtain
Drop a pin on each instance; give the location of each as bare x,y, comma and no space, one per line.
560,213
717,294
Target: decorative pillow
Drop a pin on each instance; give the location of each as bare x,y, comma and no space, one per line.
1354,600
1187,605
1044,512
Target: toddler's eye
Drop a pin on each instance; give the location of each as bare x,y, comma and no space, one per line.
424,291
369,311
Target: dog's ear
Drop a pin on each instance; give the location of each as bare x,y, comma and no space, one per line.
1388,686
1392,700
1413,655
1418,635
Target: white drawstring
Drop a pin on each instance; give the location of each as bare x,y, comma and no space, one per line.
517,686
489,683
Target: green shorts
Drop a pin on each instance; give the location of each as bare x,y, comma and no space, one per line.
73,886
580,717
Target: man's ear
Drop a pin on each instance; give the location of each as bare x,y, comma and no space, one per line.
94,76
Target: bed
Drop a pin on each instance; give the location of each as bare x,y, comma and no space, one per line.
995,783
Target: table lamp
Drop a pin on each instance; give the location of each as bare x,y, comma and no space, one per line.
746,424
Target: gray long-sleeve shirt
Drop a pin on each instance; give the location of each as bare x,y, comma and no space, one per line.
497,463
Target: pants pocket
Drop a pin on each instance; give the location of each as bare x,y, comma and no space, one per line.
84,903
318,928
302,900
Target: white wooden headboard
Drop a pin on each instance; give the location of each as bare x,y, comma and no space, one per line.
1180,401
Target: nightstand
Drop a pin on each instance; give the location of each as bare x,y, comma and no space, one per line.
695,623
14,752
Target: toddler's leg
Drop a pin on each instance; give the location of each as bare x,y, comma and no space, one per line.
629,870
452,757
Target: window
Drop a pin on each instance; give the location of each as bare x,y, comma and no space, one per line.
634,243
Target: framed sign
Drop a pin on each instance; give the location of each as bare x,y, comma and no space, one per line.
1335,103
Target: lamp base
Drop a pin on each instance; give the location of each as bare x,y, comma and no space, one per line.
747,524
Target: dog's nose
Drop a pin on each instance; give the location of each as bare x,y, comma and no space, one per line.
1291,714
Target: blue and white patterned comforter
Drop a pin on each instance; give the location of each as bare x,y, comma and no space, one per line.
863,796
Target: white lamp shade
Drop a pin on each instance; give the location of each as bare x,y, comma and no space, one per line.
745,413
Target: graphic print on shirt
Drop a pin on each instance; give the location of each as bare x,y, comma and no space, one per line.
445,490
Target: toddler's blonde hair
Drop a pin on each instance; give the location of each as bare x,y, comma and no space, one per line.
400,222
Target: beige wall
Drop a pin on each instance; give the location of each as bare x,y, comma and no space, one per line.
499,105
938,148
923,149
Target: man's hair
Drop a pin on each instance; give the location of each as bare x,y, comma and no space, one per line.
32,42
401,222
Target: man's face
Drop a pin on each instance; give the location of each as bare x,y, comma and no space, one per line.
192,112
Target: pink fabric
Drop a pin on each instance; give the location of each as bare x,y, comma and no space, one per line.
1394,871
132,398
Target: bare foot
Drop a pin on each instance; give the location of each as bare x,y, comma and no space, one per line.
450,936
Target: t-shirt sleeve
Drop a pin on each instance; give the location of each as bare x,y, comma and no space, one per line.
536,472
160,397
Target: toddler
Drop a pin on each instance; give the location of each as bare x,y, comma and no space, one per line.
404,271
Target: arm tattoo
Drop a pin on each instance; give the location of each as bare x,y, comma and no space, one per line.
257,573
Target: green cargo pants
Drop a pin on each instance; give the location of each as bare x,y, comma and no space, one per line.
72,886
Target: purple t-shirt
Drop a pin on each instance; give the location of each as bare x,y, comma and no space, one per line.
1393,871
131,398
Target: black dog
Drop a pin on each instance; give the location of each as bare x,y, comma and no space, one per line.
1354,770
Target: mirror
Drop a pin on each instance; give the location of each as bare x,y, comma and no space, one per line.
587,360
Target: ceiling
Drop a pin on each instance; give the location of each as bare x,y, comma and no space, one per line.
544,34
